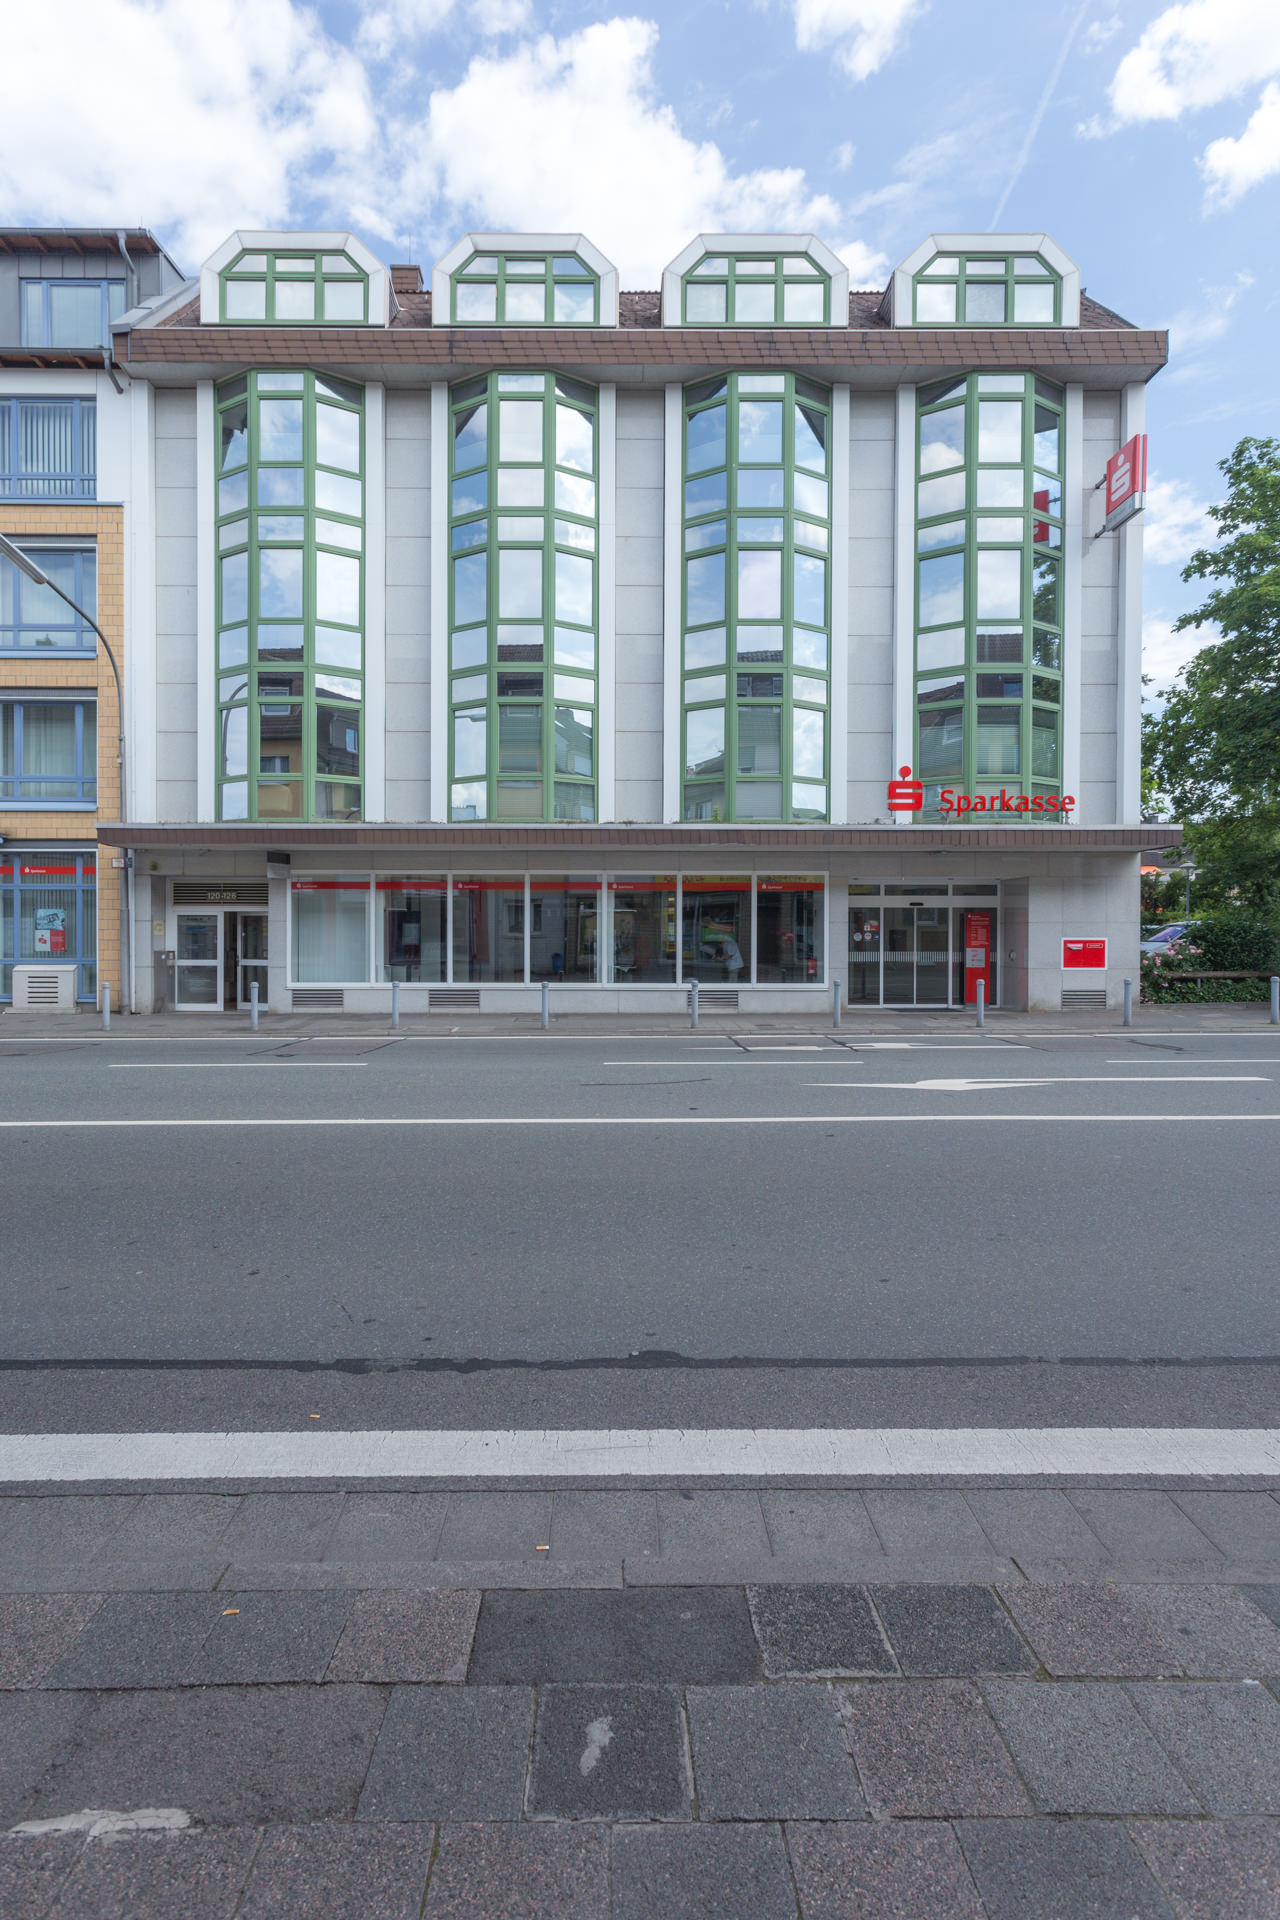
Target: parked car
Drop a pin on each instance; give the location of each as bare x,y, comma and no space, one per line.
1165,937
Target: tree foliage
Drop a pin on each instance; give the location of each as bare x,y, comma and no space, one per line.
1214,750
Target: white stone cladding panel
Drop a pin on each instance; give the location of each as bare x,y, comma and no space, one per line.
407,732
638,607
1099,606
177,703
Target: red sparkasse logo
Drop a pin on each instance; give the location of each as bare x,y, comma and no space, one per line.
907,796
1126,480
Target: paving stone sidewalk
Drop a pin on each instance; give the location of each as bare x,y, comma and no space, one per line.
902,1751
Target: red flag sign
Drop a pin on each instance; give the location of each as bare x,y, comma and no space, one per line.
1126,480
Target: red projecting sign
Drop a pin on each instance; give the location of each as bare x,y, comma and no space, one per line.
1126,481
1084,953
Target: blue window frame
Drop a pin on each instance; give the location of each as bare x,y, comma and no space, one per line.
33,619
70,313
48,449
48,753
49,912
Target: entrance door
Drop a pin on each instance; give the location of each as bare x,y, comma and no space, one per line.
916,957
251,956
198,972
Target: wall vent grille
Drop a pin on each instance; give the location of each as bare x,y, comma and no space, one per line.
1083,997
44,987
441,999
317,1000
725,998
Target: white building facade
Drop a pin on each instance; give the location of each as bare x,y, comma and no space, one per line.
528,630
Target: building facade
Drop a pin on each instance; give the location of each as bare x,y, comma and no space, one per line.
74,440
523,629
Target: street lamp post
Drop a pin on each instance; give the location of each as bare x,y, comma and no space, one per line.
9,550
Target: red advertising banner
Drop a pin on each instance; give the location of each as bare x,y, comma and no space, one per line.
1084,953
977,957
1126,480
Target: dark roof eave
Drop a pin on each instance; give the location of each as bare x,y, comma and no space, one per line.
803,841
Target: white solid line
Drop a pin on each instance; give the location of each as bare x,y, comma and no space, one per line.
744,1061
226,1066
656,1120
998,1083
743,1452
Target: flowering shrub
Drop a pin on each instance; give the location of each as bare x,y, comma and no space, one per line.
1225,943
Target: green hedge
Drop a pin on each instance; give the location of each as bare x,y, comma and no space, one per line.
1165,992
1231,943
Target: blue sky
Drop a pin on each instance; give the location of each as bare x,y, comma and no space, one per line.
1144,137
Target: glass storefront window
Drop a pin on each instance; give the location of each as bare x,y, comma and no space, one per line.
488,930
410,919
716,929
564,923
790,929
48,913
331,930
642,928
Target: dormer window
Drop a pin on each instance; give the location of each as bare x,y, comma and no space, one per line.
756,290
287,288
525,290
987,290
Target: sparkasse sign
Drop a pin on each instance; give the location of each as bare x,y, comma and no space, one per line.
1126,482
907,796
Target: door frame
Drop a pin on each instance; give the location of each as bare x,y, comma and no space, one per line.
879,903
212,910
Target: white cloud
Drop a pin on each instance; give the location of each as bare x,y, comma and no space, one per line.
1175,523
867,267
1196,326
501,16
569,135
1199,54
864,33
195,116
1099,32
1165,653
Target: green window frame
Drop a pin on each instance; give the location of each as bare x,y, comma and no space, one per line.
990,463
503,289
755,736
524,465
756,290
294,287
290,579
986,290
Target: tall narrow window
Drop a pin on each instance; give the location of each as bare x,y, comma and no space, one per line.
522,598
757,505
989,590
290,594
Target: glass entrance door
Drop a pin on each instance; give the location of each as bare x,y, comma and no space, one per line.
251,957
916,956
198,973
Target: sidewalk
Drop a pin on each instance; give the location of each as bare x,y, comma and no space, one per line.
894,1752
856,1023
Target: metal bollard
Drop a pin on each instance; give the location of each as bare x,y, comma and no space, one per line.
835,1005
253,1006
546,1006
395,1005
982,1003
106,1006
693,1003
1128,1003
1275,999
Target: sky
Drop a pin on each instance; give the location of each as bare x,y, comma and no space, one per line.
1144,138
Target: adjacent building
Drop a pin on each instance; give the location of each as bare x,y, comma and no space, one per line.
523,629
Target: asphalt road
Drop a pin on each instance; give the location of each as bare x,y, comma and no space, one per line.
571,1219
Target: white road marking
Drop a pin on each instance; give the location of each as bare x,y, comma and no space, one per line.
633,1120
1000,1085
208,1066
742,1060
599,1734
99,1823
750,1452
936,1046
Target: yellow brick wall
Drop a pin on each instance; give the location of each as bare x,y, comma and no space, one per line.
104,525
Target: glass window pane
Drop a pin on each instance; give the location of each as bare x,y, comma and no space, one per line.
760,584
811,438
469,745
998,742
470,801
235,587
469,441
642,929
469,587
1044,745
520,741
1047,437
936,305
704,588
810,590
755,306
808,744
940,649
245,299
280,583
999,595
338,741
942,439
410,922
574,727
1045,591
337,437
470,495
295,300
810,495
1000,430
804,305
520,584
706,440
279,429
984,303
705,305
574,305
1000,489
760,739
235,742
234,424
941,589
942,496
574,494
525,304
344,300
704,741
716,930
760,431
941,754
337,588
574,583
520,430
330,930
477,303
575,439
705,649
789,928
1033,305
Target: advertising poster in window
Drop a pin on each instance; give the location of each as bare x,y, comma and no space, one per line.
51,930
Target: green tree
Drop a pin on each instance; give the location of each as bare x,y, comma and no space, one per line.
1213,753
